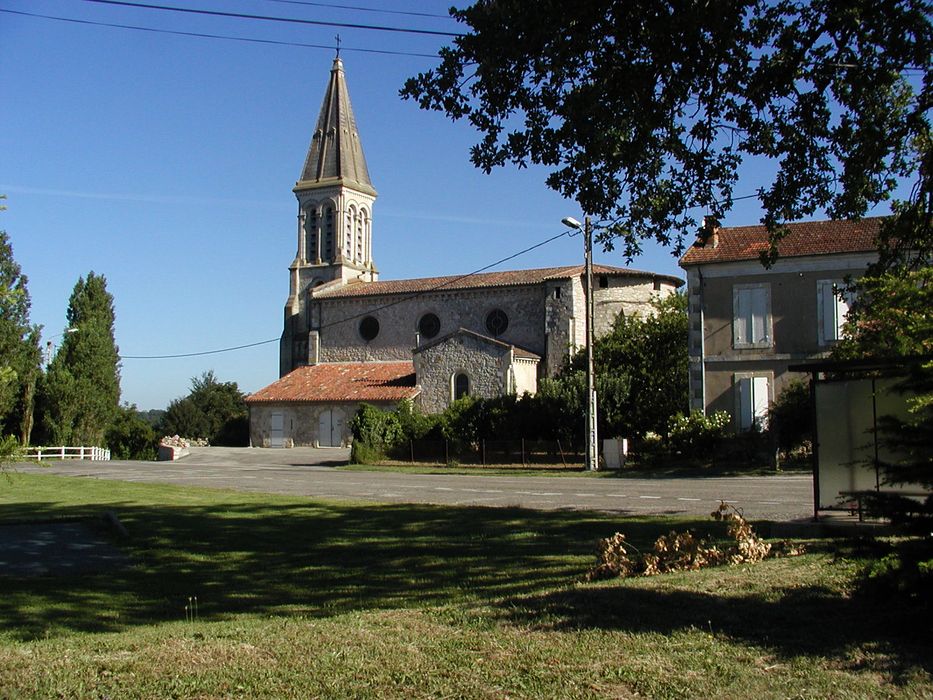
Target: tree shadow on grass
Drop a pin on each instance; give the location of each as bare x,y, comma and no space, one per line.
302,557
800,620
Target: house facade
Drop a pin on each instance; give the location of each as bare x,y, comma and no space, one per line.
748,323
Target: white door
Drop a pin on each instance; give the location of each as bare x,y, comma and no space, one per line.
277,430
330,428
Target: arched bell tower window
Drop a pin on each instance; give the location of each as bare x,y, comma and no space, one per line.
348,232
328,233
312,223
461,386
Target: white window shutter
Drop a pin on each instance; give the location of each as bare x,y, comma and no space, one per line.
759,315
760,400
741,312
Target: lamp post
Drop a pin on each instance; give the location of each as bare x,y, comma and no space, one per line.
592,445
50,346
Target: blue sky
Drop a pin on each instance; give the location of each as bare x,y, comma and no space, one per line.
166,163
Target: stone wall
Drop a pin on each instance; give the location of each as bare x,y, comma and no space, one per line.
301,421
398,324
486,364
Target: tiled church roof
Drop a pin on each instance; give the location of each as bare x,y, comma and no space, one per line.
509,278
342,381
804,238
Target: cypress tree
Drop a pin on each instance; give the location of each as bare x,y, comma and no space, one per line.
81,393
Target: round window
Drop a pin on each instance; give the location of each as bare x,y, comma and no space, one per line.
497,322
429,325
369,328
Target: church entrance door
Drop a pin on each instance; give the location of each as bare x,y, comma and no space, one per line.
276,430
330,428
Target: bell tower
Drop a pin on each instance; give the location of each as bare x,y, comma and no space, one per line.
335,210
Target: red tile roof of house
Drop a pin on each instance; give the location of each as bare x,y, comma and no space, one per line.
342,381
508,278
804,238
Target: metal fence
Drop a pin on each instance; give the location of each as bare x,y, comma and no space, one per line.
95,454
491,453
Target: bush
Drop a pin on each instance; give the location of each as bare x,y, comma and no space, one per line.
130,436
697,434
374,433
790,417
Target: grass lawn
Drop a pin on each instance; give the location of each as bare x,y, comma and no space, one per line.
303,598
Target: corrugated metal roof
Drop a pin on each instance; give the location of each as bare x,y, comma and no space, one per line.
803,238
342,381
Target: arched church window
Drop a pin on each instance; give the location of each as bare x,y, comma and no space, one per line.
461,386
311,226
497,322
329,233
369,328
429,325
359,237
348,232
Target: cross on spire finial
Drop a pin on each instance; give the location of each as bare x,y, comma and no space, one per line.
338,45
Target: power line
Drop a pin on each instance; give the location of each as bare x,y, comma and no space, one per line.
267,18
362,9
401,300
224,37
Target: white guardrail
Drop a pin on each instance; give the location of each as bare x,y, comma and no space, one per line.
95,454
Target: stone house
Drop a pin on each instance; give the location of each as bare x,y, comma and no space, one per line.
748,323
480,334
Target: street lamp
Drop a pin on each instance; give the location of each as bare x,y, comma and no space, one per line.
592,446
50,346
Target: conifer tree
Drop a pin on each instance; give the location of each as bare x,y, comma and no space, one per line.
19,347
81,392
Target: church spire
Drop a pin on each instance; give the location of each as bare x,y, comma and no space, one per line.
336,153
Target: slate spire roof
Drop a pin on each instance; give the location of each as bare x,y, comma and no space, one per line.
336,154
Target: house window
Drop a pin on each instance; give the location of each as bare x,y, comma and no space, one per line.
753,396
461,386
832,306
369,328
603,282
497,322
751,308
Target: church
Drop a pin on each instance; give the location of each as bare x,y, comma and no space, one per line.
350,338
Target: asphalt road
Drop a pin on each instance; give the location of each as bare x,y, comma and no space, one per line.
310,472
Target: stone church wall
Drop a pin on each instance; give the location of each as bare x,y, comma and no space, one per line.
484,363
398,323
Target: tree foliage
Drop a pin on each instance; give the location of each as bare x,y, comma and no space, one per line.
20,357
214,411
130,436
81,391
642,370
644,112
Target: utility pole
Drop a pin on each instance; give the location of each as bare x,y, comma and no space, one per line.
592,444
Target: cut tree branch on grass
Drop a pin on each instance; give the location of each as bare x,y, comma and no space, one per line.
684,551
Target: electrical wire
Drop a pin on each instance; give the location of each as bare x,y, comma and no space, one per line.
268,18
401,300
224,37
357,8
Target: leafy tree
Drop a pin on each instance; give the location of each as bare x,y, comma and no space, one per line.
644,112
81,391
650,352
130,436
20,357
213,410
